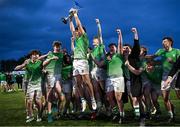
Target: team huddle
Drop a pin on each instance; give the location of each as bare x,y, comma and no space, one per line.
103,80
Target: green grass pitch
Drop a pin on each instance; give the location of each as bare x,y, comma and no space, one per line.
12,113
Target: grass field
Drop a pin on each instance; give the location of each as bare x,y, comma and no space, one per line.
12,113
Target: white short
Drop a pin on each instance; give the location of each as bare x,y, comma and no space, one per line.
164,78
80,67
52,79
67,86
30,95
98,74
115,84
33,87
3,83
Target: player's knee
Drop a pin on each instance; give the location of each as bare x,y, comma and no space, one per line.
118,96
63,97
37,99
29,100
166,99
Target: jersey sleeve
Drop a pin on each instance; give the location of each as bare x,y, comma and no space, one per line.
159,52
136,49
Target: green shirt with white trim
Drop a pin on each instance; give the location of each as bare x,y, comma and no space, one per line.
114,66
173,54
55,66
34,70
81,47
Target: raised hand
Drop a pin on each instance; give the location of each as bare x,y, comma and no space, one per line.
73,11
118,31
134,30
97,21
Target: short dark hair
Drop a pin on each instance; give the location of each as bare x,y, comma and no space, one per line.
169,39
66,57
145,50
112,44
128,45
150,62
76,28
34,52
56,43
95,37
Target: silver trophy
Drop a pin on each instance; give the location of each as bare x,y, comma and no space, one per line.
65,19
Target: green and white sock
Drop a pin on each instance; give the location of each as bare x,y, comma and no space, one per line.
171,114
137,110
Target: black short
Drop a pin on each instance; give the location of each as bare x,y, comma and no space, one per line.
10,82
136,86
125,95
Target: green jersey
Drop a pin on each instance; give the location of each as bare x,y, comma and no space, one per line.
114,66
126,72
98,53
2,77
173,54
143,64
34,72
156,75
81,48
55,66
66,72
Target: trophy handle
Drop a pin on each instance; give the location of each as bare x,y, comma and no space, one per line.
65,20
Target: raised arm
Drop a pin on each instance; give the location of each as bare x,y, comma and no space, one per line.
46,62
43,56
72,44
134,30
19,67
78,22
136,47
72,28
100,34
99,31
120,41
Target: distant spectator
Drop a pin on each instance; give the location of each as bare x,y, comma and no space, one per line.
19,80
